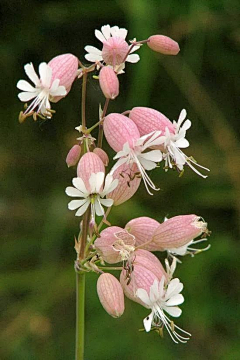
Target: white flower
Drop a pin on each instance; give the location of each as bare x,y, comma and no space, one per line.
94,196
187,249
174,142
163,299
144,160
43,92
115,48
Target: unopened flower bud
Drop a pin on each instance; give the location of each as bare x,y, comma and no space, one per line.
128,183
148,120
109,83
110,294
177,231
142,228
102,154
64,67
140,277
118,130
163,44
88,164
73,155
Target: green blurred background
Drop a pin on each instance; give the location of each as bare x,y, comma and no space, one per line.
37,283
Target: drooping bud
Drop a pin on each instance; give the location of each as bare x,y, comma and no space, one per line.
88,164
177,231
148,120
163,44
149,261
109,83
64,67
118,130
102,154
142,228
128,183
110,294
73,155
140,277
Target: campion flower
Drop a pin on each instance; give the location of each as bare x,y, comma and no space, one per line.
123,136
94,196
173,143
115,48
53,83
172,138
164,298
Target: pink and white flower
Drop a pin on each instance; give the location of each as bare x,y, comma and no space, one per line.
164,298
94,195
53,83
115,48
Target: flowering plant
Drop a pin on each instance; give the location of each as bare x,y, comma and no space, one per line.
143,139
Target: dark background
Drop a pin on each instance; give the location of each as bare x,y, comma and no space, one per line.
37,282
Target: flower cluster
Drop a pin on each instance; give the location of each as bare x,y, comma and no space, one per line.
143,139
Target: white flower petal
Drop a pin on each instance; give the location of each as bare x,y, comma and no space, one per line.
122,33
147,164
96,181
26,96
25,86
182,116
175,300
30,72
93,57
83,208
98,208
106,202
187,124
174,287
133,58
154,295
74,204
106,31
73,192
100,36
60,91
154,155
110,185
173,311
135,48
93,50
79,184
182,143
143,296
147,322
45,73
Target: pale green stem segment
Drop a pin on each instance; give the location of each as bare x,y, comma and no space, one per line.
80,278
80,314
100,133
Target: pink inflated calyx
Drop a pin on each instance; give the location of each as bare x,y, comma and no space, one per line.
143,229
149,261
137,277
148,120
128,183
109,83
163,44
64,67
73,155
118,130
88,164
114,50
178,231
110,294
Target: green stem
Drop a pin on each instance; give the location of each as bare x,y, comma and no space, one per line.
80,314
100,133
84,88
